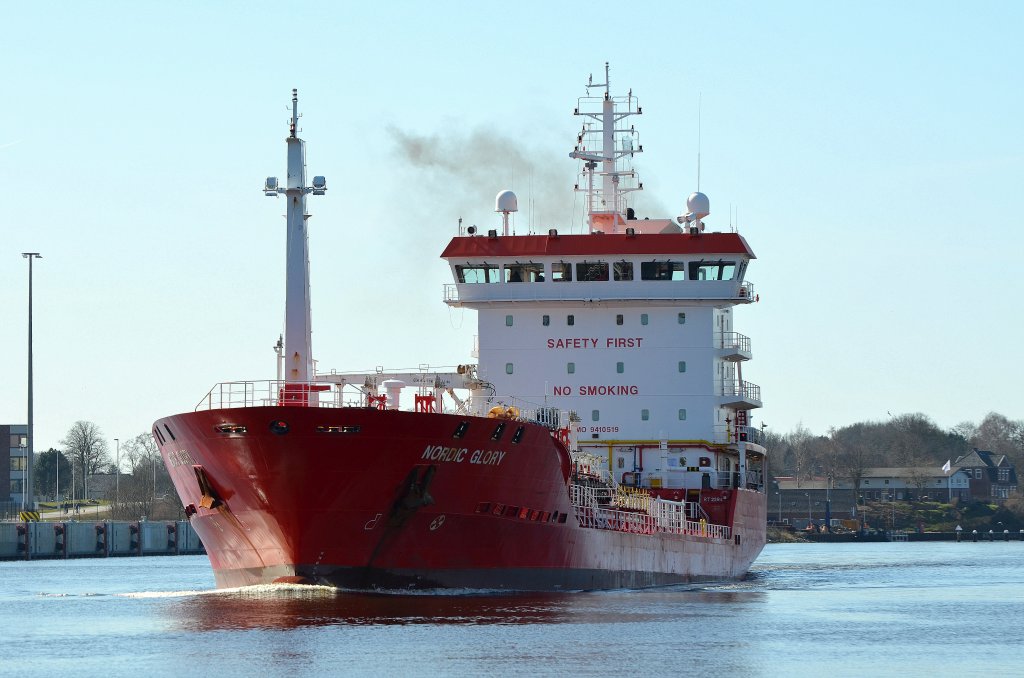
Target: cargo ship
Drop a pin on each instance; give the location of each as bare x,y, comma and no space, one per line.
598,436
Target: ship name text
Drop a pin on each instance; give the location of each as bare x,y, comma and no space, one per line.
594,342
458,455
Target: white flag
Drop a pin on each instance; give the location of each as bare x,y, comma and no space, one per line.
946,467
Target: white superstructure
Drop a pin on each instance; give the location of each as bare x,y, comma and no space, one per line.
629,328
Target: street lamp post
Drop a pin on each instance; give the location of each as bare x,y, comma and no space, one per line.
23,445
29,487
808,508
117,474
779,495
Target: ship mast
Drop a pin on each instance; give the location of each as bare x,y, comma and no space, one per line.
298,332
606,206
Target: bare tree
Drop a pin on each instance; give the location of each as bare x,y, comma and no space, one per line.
1001,435
856,451
85,445
139,452
146,490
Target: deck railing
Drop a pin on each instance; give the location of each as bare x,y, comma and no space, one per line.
594,510
736,341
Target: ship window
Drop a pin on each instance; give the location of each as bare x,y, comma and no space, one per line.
518,435
511,511
682,415
483,507
592,271
171,433
562,517
620,367
545,320
643,318
508,368
622,270
478,273
561,272
595,415
618,319
515,273
460,430
570,320
682,318
645,415
508,321
498,431
159,436
662,270
712,270
570,368
682,365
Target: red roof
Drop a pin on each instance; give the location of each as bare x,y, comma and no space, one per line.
607,244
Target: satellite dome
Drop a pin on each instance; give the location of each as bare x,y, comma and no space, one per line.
506,202
698,205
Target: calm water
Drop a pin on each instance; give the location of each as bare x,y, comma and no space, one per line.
917,609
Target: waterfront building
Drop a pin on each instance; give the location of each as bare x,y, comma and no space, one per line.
992,476
13,469
806,498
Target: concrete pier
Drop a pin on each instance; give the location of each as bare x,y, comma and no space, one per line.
97,539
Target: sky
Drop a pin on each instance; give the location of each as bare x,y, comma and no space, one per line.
871,153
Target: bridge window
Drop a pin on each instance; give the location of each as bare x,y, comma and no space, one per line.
595,415
508,321
478,273
620,367
508,368
571,368
645,415
618,319
622,270
712,270
515,273
682,318
570,319
593,271
545,320
643,318
682,365
663,270
682,415
561,272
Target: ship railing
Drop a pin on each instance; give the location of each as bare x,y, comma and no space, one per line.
594,509
470,293
739,434
736,341
741,389
679,517
269,393
589,496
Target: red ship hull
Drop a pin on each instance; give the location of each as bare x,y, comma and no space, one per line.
365,498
